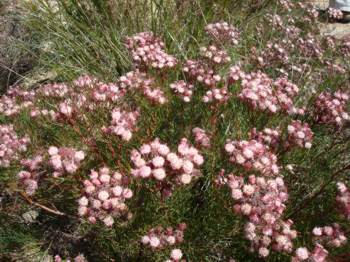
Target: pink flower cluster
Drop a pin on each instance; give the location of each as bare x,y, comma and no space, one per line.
54,90
331,108
155,95
157,161
201,72
148,49
123,123
11,145
105,196
253,154
201,137
299,134
309,46
87,93
262,201
16,99
84,94
311,11
183,89
65,160
287,4
103,92
260,92
331,236
65,108
287,27
29,179
175,256
220,95
343,198
335,68
331,43
285,92
140,81
223,32
35,112
275,20
345,47
270,137
215,55
319,254
79,258
159,238
85,81
235,74
257,92
274,52
334,13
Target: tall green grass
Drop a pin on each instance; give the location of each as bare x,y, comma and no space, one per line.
87,36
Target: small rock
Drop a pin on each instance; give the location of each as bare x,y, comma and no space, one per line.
337,30
30,216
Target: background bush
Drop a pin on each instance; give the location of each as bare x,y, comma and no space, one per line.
79,37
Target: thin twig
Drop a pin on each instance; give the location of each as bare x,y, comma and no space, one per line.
47,209
12,71
307,201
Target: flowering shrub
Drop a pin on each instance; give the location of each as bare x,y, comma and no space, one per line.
201,137
159,238
216,94
330,109
79,258
29,178
123,123
140,81
183,89
343,198
262,201
222,31
214,55
11,145
105,196
319,254
270,137
331,236
168,108
299,134
334,13
148,49
15,100
155,160
253,154
259,93
64,160
201,72
176,255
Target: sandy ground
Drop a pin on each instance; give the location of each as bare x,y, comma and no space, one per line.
323,4
335,29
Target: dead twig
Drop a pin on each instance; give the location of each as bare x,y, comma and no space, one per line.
308,200
47,209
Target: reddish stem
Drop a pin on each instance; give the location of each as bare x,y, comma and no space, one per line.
307,201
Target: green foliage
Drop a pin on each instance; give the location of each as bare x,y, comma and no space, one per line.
87,37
